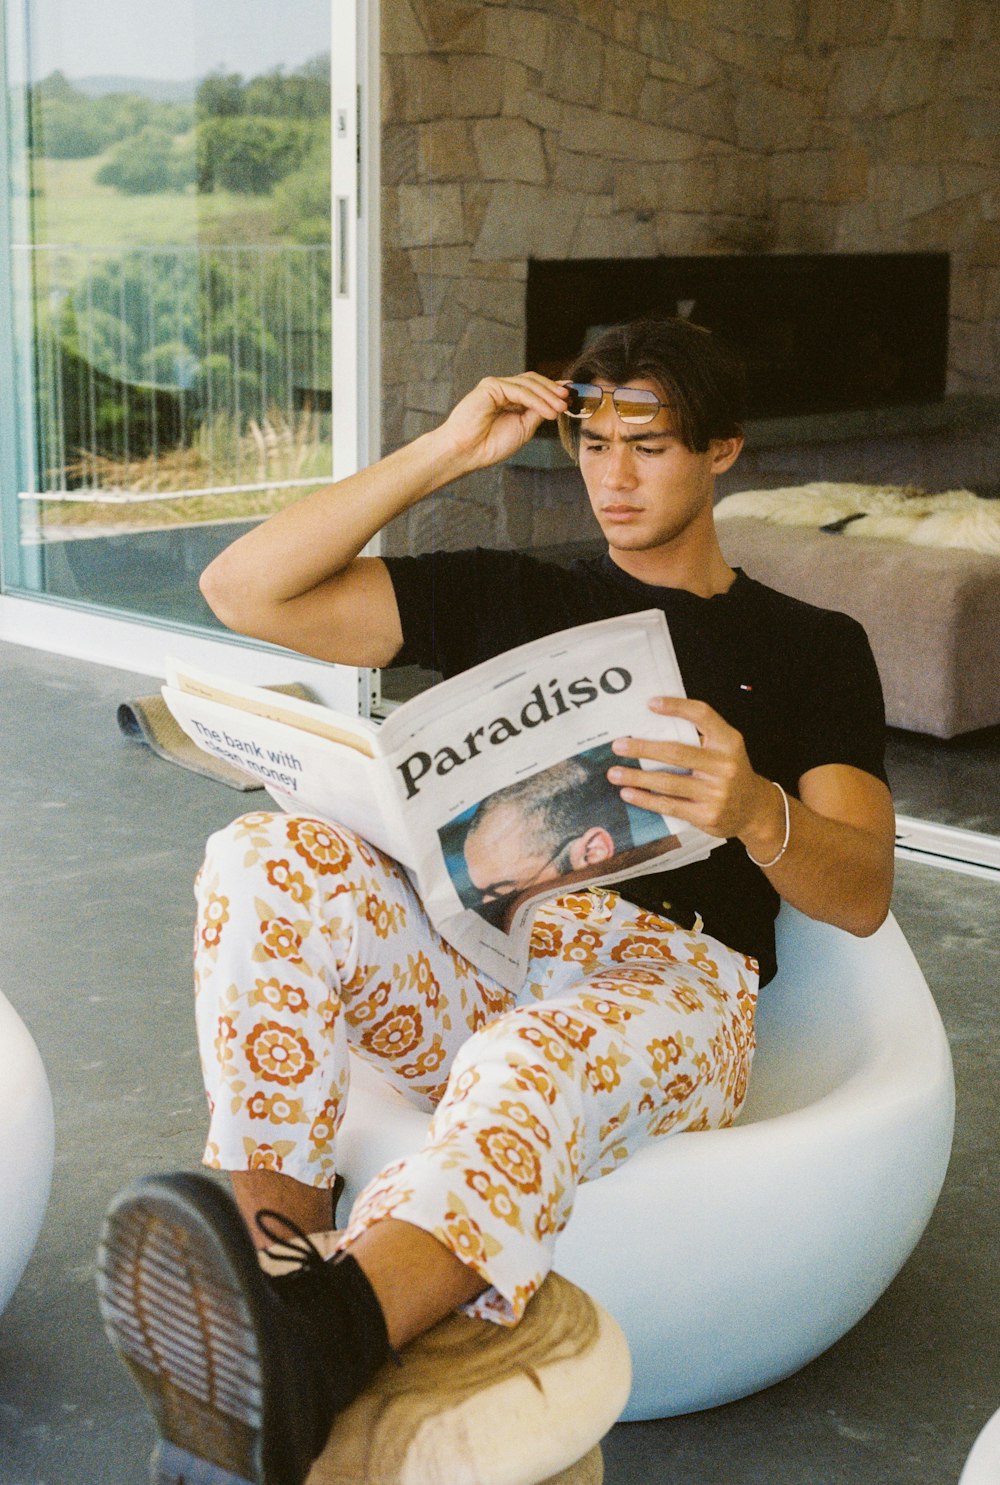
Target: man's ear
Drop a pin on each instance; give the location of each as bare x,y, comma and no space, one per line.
725,452
595,844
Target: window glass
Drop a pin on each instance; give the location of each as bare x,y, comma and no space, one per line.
171,273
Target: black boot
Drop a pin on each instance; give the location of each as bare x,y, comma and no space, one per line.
243,1374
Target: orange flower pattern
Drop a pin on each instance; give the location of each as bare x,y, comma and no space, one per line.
508,1152
310,945
276,1107
395,1035
214,917
277,1055
321,846
281,875
278,996
280,939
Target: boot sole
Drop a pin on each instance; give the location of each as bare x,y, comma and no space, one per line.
173,1293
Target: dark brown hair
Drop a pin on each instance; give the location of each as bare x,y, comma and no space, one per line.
698,374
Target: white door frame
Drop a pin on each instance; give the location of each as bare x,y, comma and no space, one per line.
85,632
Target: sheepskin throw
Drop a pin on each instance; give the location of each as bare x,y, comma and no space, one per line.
955,518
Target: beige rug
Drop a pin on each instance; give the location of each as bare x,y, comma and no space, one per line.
147,719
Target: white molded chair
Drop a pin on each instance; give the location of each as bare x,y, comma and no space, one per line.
731,1258
26,1147
983,1464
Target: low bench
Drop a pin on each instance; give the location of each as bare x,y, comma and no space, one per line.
932,614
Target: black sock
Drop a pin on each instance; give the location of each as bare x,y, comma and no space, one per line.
343,1328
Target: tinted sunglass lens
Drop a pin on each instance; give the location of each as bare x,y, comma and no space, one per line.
633,405
584,399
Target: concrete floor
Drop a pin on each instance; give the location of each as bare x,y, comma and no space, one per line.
952,783
100,841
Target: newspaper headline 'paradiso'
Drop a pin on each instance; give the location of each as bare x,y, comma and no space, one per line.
489,789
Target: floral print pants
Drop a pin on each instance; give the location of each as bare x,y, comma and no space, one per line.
309,940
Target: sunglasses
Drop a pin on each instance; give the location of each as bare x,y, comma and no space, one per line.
632,404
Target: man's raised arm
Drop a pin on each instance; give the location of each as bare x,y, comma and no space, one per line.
297,579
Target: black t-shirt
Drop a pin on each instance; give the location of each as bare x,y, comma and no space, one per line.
798,682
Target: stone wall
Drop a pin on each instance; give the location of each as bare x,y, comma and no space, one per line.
630,128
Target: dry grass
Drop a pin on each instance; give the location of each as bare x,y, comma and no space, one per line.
140,491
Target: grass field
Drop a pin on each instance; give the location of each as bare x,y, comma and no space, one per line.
71,208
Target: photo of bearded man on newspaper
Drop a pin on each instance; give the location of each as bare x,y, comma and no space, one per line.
564,823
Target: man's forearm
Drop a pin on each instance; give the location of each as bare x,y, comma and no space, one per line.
839,873
321,535
299,580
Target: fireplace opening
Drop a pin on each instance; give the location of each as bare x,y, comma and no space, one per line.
820,333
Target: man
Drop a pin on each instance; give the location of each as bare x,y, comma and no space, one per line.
556,822
636,1018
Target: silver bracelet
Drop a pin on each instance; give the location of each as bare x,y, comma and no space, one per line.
788,830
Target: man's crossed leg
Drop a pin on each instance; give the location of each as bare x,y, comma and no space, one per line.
309,940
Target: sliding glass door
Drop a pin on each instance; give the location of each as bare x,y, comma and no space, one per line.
181,330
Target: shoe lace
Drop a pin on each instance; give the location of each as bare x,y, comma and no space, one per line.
298,1248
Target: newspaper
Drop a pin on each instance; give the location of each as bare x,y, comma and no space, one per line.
490,789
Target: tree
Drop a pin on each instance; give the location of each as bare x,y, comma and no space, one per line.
171,340
249,154
302,94
150,161
66,124
302,199
220,95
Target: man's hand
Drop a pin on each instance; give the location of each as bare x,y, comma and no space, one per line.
718,790
498,417
839,862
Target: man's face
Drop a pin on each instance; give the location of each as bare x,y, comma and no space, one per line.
645,486
503,856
